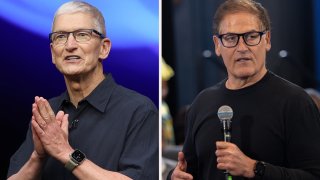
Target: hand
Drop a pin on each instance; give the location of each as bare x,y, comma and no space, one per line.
38,147
51,130
179,172
232,159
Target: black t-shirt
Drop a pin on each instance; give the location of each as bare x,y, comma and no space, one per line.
115,127
273,121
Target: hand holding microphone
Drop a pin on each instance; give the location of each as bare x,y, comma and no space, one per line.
229,157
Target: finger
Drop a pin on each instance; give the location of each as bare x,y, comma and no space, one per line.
37,116
37,128
222,145
223,152
49,110
65,124
32,128
182,164
178,174
34,133
181,156
42,110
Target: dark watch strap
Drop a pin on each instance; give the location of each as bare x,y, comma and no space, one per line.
259,169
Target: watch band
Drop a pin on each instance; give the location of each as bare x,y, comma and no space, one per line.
259,169
70,165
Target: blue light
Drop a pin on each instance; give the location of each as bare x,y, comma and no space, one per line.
130,23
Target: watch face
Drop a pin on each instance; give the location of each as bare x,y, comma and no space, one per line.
78,155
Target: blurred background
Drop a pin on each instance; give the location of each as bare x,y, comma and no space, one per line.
27,71
188,49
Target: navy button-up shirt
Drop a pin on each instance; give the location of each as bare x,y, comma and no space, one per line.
115,127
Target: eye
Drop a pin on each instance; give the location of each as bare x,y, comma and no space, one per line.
83,34
60,36
230,37
252,36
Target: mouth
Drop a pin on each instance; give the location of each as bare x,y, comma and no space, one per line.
243,59
72,58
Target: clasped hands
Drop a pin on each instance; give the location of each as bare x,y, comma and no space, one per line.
49,131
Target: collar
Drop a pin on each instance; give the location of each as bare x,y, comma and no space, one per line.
98,98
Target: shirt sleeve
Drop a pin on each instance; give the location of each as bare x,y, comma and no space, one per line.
302,124
139,159
189,147
22,155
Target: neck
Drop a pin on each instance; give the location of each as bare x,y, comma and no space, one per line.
81,86
239,83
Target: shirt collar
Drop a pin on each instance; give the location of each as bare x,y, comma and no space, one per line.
98,98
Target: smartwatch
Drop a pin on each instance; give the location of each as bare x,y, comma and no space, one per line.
76,158
259,169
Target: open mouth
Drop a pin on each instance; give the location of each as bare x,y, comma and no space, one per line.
243,59
72,57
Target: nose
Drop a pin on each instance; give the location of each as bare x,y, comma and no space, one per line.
242,46
71,43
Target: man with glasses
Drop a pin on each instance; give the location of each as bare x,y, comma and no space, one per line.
96,129
275,126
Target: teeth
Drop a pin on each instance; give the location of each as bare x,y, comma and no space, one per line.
243,59
72,57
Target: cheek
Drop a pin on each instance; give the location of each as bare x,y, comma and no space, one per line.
227,57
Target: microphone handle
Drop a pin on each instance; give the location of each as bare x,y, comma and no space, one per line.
226,138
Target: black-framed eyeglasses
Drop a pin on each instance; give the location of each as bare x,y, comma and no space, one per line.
231,40
80,35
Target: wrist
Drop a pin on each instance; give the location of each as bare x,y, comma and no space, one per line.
250,169
38,157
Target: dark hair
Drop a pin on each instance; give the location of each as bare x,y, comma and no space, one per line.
235,6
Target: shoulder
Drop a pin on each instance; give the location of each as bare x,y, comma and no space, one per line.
287,88
292,95
209,94
132,99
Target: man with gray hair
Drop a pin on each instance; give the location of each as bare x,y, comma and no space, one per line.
96,129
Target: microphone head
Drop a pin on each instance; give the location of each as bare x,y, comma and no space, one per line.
225,113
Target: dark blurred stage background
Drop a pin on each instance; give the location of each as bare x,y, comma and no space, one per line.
27,71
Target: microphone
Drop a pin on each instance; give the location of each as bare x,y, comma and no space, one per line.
225,114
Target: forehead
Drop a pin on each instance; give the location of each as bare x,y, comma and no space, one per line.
239,23
73,21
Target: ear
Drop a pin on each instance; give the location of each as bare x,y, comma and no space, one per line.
52,54
105,48
217,45
268,41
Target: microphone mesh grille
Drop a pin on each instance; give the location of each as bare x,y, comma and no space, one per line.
225,112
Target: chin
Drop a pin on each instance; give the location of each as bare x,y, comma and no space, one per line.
245,73
71,73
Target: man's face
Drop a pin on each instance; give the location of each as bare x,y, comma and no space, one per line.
243,61
74,58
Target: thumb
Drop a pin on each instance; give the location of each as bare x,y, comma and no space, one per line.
182,163
59,117
65,124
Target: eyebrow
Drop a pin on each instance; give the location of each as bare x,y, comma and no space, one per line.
252,30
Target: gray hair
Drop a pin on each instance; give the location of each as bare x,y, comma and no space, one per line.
79,6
